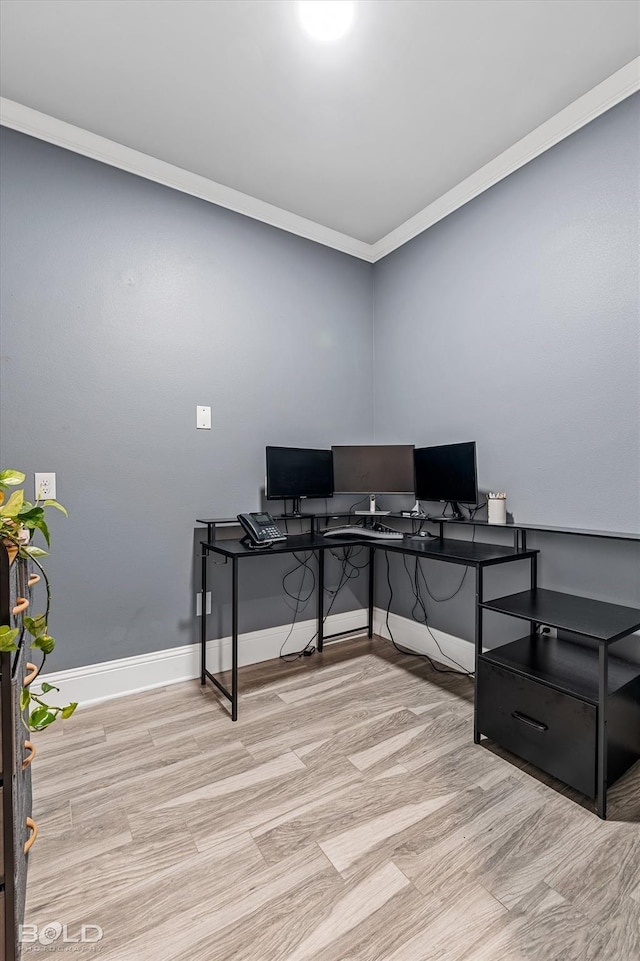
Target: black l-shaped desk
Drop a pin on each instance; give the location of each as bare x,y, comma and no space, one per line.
576,708
447,550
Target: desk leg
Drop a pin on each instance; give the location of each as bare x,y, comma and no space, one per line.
203,616
372,578
478,652
320,600
234,641
533,581
603,691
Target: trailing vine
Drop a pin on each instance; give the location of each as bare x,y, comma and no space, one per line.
19,519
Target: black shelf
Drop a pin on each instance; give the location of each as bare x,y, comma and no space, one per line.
234,522
571,668
524,526
569,612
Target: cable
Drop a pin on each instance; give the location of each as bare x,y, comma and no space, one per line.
349,571
419,602
297,598
474,510
300,602
440,600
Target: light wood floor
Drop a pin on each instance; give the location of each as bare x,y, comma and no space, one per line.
347,816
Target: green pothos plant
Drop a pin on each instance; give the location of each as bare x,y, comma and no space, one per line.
19,520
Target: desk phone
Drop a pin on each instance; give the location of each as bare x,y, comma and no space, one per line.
261,528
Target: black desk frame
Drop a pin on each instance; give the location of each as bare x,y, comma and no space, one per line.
462,552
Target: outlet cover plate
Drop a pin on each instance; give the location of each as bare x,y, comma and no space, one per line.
45,486
199,603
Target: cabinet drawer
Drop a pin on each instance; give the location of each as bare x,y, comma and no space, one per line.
555,731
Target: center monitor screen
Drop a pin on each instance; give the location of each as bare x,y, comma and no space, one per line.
373,469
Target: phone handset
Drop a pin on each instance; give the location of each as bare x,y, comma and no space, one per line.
261,529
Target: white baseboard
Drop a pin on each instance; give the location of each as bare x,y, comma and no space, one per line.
445,648
142,672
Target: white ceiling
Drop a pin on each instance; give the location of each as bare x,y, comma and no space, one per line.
357,136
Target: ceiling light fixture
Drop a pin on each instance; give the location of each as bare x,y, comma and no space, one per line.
326,20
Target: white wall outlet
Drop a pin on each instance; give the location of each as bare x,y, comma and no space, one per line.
203,418
45,487
199,603
547,631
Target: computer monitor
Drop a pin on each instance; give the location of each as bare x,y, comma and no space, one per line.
295,472
447,473
373,469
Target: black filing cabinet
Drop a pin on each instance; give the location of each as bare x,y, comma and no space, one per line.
564,703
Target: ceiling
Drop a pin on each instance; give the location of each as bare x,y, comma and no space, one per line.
357,136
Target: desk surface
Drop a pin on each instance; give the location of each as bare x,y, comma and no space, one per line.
294,542
468,553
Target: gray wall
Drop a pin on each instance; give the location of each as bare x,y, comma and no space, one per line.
125,304
515,322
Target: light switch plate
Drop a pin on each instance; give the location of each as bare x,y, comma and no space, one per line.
203,418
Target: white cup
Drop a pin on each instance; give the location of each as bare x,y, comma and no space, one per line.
497,510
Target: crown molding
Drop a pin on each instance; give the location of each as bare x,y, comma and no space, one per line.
601,98
596,101
62,134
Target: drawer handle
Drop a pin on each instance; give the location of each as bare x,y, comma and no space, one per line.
21,606
29,746
33,827
32,675
33,580
538,725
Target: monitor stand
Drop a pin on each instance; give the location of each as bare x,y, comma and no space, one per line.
455,515
295,509
372,508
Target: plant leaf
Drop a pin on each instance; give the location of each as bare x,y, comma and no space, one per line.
46,687
38,713
45,643
25,697
29,512
7,638
42,526
57,506
13,505
35,625
40,718
69,709
11,478
34,551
